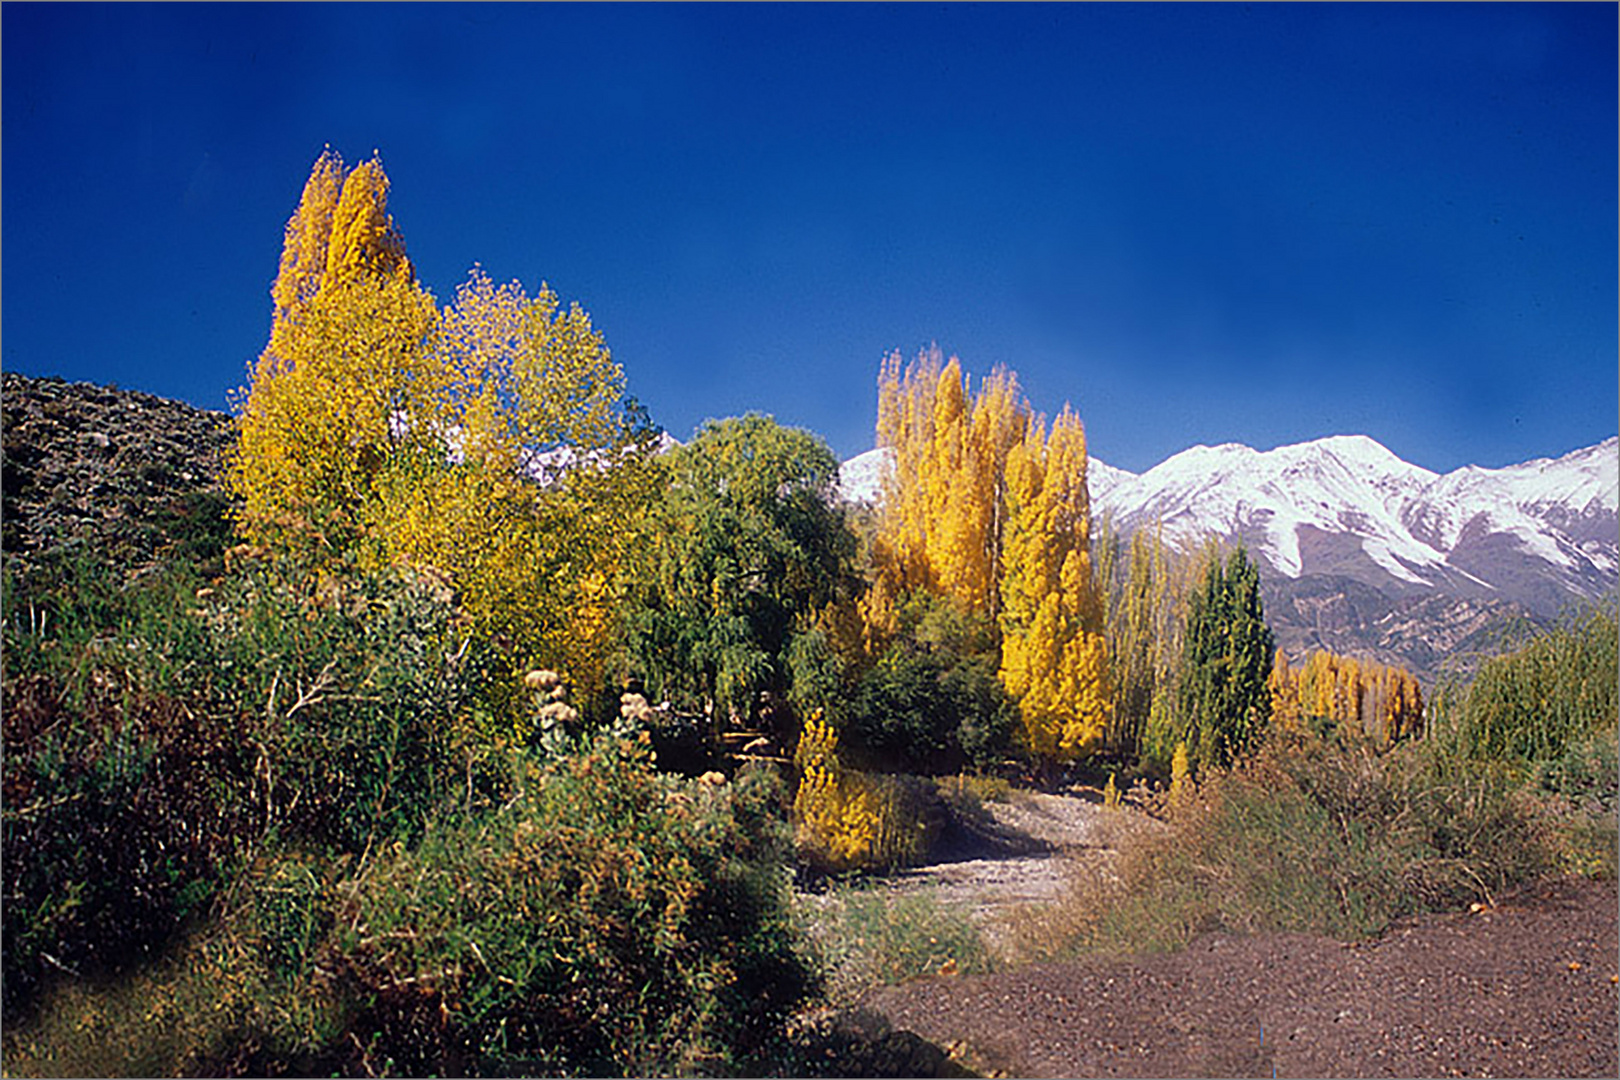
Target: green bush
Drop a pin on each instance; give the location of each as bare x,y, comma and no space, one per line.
1322,835
353,692
1533,704
158,732
932,704
608,920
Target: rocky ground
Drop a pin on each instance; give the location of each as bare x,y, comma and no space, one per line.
92,465
1527,988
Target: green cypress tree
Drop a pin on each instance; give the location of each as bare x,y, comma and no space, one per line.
1228,653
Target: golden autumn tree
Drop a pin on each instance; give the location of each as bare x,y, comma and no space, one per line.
941,525
1381,701
1054,653
984,510
350,354
491,441
532,500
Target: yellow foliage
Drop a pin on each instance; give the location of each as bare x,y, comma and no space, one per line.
1111,794
1054,654
846,819
379,427
988,510
940,530
1283,683
1180,769
1378,700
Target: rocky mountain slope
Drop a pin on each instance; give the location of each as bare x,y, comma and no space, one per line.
120,470
1364,553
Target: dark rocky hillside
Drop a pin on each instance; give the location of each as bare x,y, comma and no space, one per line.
119,472
1432,634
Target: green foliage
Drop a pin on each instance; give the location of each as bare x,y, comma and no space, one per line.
353,692
1224,705
742,555
157,733
607,920
932,703
1535,704
874,935
1319,835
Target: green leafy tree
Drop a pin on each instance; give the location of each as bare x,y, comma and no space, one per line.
741,557
932,702
1224,701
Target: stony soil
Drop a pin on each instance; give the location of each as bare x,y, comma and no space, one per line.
1527,988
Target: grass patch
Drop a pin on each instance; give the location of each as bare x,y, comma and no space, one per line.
872,935
1313,834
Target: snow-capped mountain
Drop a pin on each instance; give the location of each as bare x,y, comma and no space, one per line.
1534,533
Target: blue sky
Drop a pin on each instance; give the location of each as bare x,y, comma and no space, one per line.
1201,223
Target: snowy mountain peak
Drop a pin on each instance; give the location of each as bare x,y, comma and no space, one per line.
1348,505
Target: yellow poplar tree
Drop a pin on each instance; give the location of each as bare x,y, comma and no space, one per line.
985,510
490,441
1379,700
1054,654
941,526
1283,682
350,356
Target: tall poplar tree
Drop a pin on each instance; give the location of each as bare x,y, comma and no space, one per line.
988,511
492,441
1054,655
350,353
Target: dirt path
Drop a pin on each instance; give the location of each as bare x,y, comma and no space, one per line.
1025,858
1526,989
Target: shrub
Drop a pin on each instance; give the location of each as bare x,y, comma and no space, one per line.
1533,704
1321,835
607,920
155,735
851,820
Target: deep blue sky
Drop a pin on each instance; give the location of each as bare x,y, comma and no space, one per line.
1198,224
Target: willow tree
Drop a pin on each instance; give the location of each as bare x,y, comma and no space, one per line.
743,556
